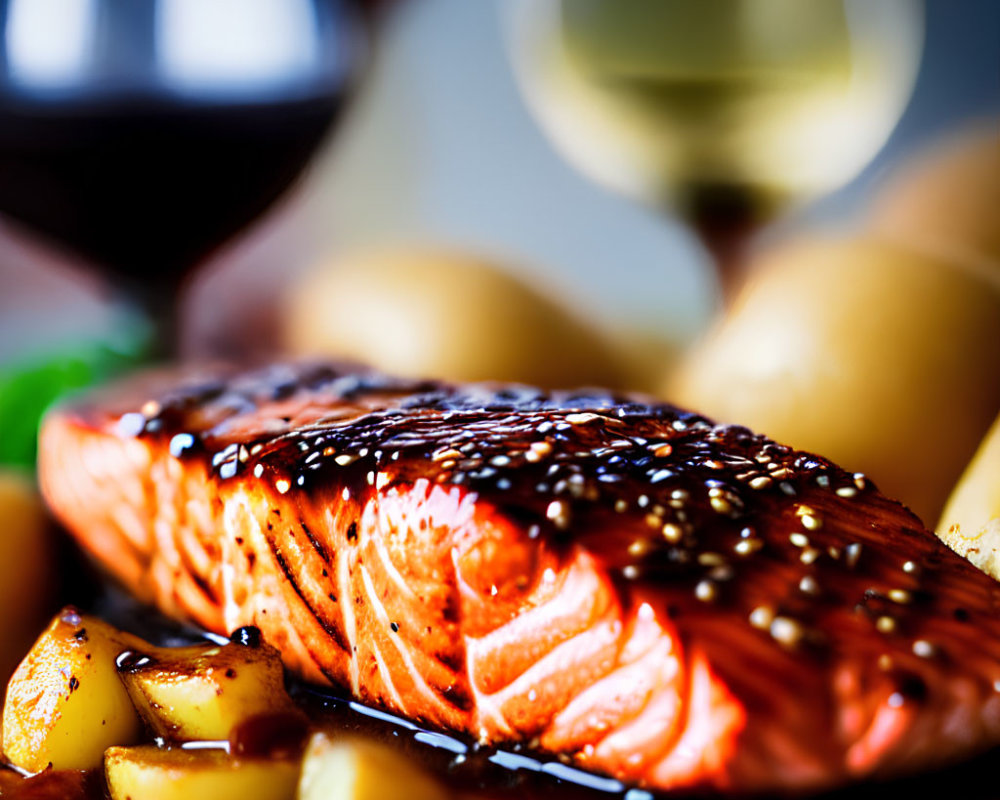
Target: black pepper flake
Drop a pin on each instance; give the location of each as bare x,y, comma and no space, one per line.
394,626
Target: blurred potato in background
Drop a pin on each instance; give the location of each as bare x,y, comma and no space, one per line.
877,357
430,312
946,200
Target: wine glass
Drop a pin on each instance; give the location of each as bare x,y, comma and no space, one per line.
724,111
142,135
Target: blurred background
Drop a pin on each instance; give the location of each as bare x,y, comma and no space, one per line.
784,214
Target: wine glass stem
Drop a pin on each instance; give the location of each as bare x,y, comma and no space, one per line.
725,219
159,299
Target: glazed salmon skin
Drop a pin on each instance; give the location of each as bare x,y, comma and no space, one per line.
647,594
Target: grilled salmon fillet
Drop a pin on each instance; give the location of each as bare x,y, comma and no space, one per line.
625,584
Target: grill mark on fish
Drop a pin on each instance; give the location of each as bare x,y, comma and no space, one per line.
334,633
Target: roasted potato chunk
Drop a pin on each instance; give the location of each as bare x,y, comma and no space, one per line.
202,692
65,703
352,769
25,568
151,773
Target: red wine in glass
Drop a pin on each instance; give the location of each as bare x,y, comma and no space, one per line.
142,135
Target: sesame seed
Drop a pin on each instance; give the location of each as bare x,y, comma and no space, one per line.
653,521
244,455
761,617
672,533
885,624
663,450
345,494
823,480
150,408
282,485
621,506
679,494
258,470
382,480
809,555
787,488
638,548
745,547
900,596
345,459
811,523
923,648
631,572
445,453
558,512
643,501
721,505
448,463
853,554
256,449
710,559
500,461
786,631
911,568
799,539
542,448
705,591
808,585
833,551
581,419
847,491
859,480
761,482
370,478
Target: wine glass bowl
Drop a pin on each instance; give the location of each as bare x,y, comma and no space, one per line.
724,111
143,135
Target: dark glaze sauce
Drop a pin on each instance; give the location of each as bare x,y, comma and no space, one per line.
469,770
748,546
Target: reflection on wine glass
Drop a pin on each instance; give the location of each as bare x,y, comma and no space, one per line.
724,110
144,134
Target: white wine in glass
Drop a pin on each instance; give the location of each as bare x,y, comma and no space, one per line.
722,110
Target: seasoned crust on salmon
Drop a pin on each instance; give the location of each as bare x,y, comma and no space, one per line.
658,598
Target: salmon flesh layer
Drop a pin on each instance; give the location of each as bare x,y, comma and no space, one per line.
625,584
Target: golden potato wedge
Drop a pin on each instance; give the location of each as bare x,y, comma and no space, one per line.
352,769
204,691
970,524
148,772
66,704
